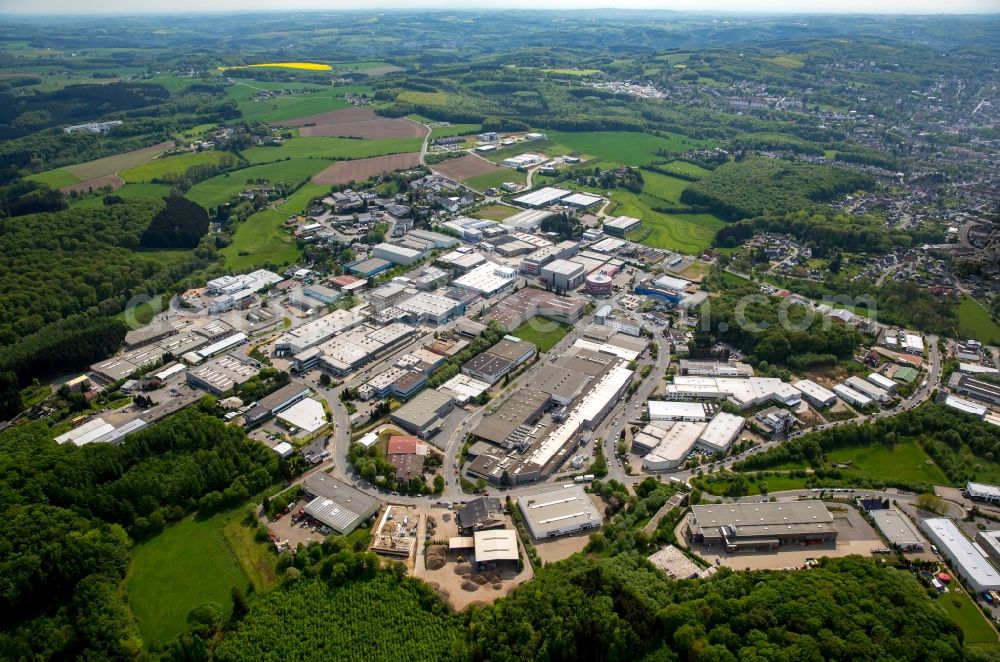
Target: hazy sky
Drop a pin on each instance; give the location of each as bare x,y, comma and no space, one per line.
811,6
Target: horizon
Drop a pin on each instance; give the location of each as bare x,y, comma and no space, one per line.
912,8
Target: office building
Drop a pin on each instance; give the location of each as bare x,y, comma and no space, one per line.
752,526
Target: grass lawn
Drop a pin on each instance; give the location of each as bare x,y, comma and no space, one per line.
128,192
166,257
296,203
686,168
194,132
494,212
664,187
975,627
975,322
170,165
117,163
544,334
626,147
219,189
259,240
774,484
906,461
186,566
495,179
328,147
455,130
253,558
685,233
54,178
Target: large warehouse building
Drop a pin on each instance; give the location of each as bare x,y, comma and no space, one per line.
424,415
337,504
559,512
563,275
898,529
745,526
969,563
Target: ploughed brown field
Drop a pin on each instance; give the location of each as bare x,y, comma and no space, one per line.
114,181
361,169
465,167
355,122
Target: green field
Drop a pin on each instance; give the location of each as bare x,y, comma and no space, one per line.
495,179
976,629
625,147
171,165
664,187
544,334
975,322
260,240
219,189
685,233
495,212
324,147
112,164
296,202
194,132
188,565
686,168
54,178
773,483
454,130
317,100
906,461
128,192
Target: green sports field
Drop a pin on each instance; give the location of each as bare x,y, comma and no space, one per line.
260,240
325,147
172,165
219,189
188,565
625,147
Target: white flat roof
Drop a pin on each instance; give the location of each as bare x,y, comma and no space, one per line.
962,552
306,414
814,390
593,402
882,381
582,199
721,430
495,545
86,433
676,443
675,409
621,222
607,348
964,405
487,278
543,196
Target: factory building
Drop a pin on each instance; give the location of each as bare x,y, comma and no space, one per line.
869,389
340,506
315,332
743,393
852,397
352,349
675,410
975,388
529,302
532,264
499,360
424,415
622,225
883,383
559,512
815,394
714,369
720,433
221,375
968,562
753,526
427,307
563,275
487,279
983,492
276,402
676,441
543,197
898,529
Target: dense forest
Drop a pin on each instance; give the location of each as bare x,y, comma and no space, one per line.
771,330
825,232
759,186
64,512
180,224
588,608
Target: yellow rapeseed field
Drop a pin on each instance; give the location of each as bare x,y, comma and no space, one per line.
310,66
